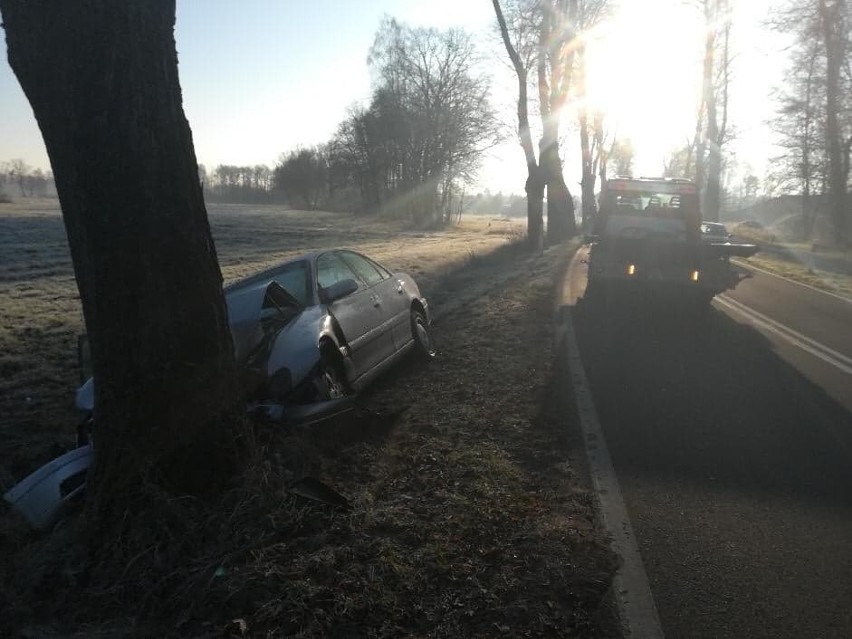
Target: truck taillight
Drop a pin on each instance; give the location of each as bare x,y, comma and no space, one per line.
631,269
694,276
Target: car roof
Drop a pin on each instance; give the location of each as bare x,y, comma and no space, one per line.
267,274
263,277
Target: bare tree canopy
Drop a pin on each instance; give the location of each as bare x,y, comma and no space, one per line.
519,50
548,37
712,129
813,119
428,124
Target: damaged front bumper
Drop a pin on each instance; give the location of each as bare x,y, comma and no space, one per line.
44,495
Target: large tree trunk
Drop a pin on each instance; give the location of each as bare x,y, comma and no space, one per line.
554,74
587,183
560,205
713,166
535,178
535,207
102,80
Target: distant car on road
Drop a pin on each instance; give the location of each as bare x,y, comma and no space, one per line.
714,232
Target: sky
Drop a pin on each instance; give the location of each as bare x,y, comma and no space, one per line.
260,77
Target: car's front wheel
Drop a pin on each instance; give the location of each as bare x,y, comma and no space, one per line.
330,381
422,335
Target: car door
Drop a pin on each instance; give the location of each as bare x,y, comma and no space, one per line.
359,314
395,302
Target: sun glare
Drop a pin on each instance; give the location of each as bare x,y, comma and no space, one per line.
644,76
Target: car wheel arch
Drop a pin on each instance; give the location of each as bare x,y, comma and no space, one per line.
417,305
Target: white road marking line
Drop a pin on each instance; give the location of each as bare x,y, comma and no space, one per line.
631,587
747,265
821,351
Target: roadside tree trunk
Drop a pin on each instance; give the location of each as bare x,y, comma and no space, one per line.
535,185
557,46
712,162
536,179
560,205
101,77
587,183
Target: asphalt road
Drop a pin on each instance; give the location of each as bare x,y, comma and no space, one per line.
733,447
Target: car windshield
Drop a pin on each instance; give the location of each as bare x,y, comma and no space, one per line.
648,203
293,278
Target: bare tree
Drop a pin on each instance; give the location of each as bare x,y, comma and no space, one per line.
140,242
425,130
18,172
435,119
799,125
536,181
303,176
814,119
833,27
712,122
559,37
592,133
681,162
620,157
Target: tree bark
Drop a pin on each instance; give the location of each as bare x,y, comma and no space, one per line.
587,183
710,208
535,180
555,66
101,77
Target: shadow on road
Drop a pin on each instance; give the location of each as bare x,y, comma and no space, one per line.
697,397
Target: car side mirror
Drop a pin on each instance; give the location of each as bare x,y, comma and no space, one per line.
339,290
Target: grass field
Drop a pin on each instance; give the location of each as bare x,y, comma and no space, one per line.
40,313
469,516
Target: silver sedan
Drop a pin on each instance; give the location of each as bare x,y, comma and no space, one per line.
318,328
325,325
307,335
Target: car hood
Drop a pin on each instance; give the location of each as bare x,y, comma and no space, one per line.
244,309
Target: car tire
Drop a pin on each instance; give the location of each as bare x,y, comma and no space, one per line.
330,381
424,347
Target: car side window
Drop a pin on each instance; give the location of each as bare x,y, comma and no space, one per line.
293,279
364,268
331,270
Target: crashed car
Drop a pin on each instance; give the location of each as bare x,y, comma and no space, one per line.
307,336
318,328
